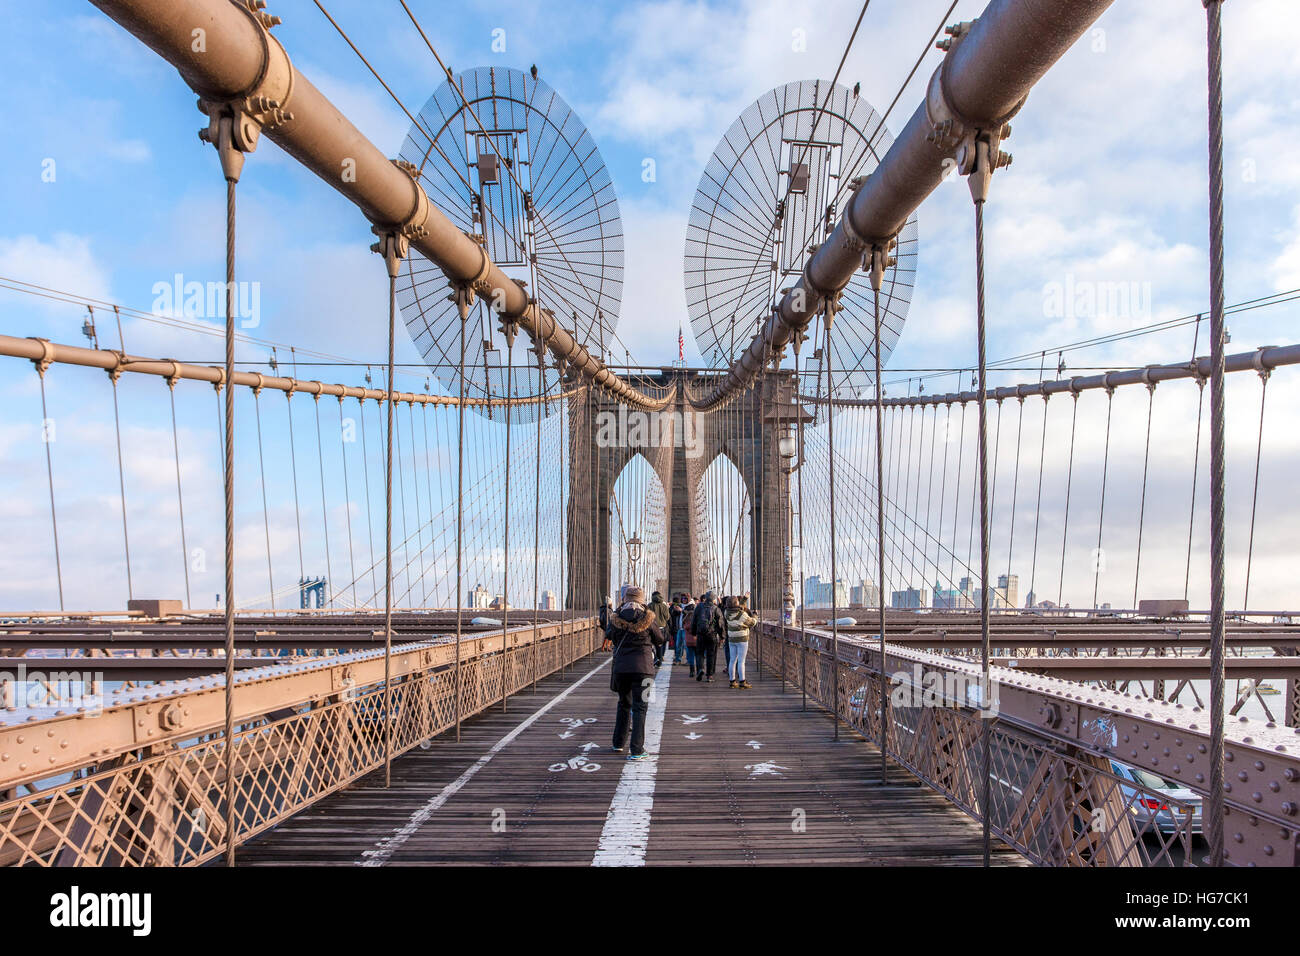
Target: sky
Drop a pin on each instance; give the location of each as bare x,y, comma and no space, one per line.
108,192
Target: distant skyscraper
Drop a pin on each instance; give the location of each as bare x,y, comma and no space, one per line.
479,598
548,601
864,594
950,599
909,598
1009,588
817,593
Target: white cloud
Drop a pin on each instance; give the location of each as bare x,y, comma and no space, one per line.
65,262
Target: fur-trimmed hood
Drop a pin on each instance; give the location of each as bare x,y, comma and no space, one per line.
633,618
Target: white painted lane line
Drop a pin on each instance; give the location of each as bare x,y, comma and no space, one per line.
386,847
626,834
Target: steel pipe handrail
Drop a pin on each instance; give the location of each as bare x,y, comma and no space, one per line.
47,353
1264,359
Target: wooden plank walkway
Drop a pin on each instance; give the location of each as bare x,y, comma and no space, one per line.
741,777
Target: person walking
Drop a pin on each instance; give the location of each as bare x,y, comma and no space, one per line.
710,628
635,639
659,608
739,621
726,641
676,634
605,610
688,630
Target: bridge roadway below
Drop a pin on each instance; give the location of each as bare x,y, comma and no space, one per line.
734,777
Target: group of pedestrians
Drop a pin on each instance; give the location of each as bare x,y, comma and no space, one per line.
708,623
638,633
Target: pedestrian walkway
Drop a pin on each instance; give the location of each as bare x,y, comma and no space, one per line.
735,776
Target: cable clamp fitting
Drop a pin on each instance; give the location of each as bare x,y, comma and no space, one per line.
878,260
235,125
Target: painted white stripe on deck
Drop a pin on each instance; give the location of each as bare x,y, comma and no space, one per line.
387,846
627,825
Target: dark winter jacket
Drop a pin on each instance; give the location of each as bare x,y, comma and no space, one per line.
674,619
605,610
709,624
634,634
660,610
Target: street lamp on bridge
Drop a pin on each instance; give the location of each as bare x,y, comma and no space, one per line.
634,556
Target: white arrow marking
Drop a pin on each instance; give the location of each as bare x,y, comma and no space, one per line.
589,746
688,719
387,846
566,735
692,736
755,744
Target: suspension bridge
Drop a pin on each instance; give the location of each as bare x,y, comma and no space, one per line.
991,631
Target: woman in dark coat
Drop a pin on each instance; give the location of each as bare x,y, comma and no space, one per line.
636,641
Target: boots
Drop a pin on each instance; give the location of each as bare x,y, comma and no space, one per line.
746,685
733,685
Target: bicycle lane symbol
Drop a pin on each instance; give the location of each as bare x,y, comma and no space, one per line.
580,762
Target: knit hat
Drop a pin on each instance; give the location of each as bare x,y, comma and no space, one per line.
635,595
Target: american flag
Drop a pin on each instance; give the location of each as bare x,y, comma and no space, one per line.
681,345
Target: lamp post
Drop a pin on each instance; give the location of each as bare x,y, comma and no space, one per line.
634,557
788,448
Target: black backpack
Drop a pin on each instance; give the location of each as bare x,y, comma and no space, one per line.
702,624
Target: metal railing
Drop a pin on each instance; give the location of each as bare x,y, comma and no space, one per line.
143,781
1062,794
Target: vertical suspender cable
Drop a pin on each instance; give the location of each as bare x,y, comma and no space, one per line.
347,506
830,307
392,264
463,302
1098,558
1069,481
47,436
1015,492
562,450
505,573
1142,507
1038,504
1196,467
1218,451
121,481
232,160
261,470
419,519
365,471
324,513
180,499
297,509
876,276
537,498
956,491
978,182
1254,498
803,598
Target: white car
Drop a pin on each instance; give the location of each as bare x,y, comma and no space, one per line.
1166,813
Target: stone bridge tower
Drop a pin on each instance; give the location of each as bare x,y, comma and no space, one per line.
679,449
